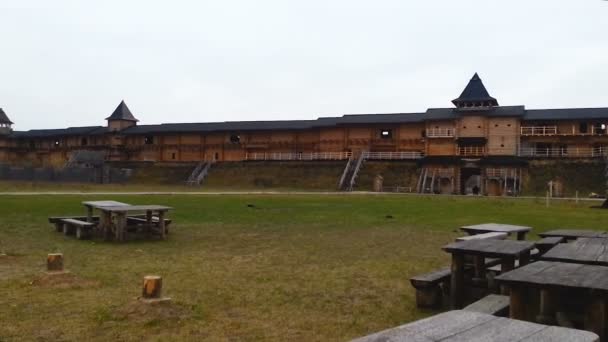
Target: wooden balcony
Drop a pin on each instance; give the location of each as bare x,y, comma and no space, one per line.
392,155
440,132
540,131
471,151
578,152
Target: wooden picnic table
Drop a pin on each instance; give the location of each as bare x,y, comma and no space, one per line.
591,251
121,217
543,286
505,250
572,234
472,326
90,205
121,210
521,231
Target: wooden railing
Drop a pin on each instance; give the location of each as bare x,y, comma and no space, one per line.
298,156
392,155
440,133
574,152
475,151
540,130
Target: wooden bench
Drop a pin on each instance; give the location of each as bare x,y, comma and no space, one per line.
545,244
484,236
81,228
56,220
428,287
493,304
141,219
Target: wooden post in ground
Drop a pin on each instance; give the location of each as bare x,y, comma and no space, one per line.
54,262
152,290
153,286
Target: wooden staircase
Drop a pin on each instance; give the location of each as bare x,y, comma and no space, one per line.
199,173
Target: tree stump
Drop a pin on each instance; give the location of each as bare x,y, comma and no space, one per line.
54,262
153,286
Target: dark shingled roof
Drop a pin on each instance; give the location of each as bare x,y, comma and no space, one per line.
70,131
454,113
122,112
475,91
566,114
4,119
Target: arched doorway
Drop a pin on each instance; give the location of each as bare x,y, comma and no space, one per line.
470,181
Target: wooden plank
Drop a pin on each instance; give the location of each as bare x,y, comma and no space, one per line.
499,330
491,304
495,227
490,248
127,208
592,251
469,326
490,235
573,233
434,277
447,324
78,223
562,334
558,274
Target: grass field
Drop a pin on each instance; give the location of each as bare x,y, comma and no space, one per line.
302,268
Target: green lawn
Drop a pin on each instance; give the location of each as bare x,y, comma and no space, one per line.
310,267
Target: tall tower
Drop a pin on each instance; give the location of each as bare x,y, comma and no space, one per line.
5,124
121,118
475,96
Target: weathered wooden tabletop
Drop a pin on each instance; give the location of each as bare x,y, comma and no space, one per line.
574,233
127,208
543,274
495,227
490,248
97,204
471,326
592,251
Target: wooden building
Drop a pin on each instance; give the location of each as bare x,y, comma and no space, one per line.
476,146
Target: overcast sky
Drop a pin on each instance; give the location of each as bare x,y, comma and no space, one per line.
69,63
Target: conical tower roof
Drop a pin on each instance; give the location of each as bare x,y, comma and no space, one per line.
122,112
475,92
4,119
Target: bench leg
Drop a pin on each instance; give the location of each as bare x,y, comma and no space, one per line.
82,233
429,297
68,229
457,281
59,227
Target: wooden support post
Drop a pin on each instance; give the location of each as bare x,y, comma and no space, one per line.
597,317
161,224
517,305
54,262
548,307
457,281
524,258
480,269
507,265
121,226
89,213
